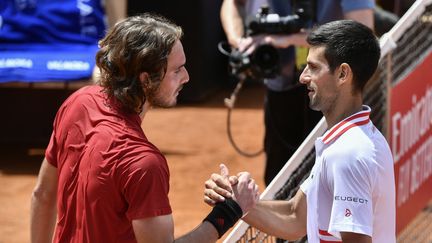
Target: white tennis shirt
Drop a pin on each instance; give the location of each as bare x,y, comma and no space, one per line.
351,187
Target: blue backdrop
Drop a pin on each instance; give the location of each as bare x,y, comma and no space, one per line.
49,40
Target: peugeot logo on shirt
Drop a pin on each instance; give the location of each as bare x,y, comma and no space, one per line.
350,199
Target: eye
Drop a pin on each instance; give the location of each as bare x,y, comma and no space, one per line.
311,66
178,70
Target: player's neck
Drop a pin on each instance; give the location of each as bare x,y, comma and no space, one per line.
343,109
147,106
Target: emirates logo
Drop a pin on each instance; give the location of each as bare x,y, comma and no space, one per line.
347,212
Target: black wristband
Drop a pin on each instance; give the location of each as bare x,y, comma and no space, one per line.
224,215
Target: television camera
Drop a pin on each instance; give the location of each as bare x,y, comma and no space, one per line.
264,61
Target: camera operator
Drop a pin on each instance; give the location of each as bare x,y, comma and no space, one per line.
288,120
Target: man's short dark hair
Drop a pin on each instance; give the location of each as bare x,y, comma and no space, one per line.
347,41
135,45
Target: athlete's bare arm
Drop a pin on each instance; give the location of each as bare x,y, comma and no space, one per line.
43,204
161,229
284,219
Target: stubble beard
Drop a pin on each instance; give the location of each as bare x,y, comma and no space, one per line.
158,100
313,103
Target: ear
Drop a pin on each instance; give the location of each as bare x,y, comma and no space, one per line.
344,73
143,77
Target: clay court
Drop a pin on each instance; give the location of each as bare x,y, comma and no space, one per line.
192,136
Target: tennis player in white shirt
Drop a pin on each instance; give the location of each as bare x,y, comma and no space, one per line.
350,194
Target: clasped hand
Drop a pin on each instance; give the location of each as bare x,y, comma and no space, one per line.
242,188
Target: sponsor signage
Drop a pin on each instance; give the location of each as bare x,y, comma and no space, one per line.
40,63
411,141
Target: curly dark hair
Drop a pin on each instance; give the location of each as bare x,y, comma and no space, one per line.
135,45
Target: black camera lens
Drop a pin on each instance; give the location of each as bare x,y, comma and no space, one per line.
265,61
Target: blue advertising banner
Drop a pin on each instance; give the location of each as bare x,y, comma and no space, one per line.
49,40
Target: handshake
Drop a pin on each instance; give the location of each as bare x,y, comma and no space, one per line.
231,196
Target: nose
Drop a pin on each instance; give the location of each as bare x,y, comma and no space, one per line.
186,76
304,76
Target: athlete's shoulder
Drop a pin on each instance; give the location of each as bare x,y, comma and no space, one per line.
83,96
353,148
351,142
